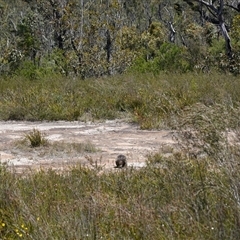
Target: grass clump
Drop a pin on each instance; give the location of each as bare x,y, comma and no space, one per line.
36,138
209,131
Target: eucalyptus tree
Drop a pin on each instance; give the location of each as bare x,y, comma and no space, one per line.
214,12
100,37
10,55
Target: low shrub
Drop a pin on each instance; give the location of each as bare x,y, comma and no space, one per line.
36,138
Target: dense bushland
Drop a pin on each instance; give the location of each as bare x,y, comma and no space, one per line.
78,38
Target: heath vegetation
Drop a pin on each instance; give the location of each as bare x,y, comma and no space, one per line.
192,194
184,196
160,64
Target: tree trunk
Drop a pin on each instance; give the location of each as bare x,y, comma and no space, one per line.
217,12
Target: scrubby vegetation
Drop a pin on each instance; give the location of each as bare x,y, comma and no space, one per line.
192,194
160,64
78,38
36,138
179,197
153,101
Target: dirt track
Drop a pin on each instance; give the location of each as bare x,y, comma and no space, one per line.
110,138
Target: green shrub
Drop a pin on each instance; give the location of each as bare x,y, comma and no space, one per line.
169,57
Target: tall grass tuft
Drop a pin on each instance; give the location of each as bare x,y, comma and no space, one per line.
36,138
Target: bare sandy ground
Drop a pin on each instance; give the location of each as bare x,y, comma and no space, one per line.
111,138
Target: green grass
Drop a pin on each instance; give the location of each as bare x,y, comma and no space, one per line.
182,196
194,193
151,101
171,198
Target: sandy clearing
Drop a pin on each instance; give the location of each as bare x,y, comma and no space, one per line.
110,137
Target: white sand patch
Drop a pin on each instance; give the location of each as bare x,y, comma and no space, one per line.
111,138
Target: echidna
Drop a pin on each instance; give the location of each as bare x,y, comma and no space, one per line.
121,161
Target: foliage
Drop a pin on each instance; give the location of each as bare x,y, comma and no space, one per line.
191,194
91,40
153,101
204,129
181,196
36,138
235,27
168,57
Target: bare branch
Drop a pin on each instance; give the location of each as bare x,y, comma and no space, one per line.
208,5
235,8
218,13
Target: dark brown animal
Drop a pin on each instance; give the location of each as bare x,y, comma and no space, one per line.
121,161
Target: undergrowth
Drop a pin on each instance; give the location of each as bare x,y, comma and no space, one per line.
192,193
171,198
151,101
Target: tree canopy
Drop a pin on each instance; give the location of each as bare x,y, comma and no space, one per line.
103,37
